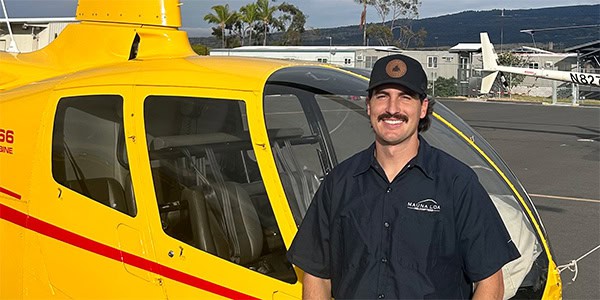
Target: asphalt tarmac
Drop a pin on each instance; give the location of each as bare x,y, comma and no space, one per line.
555,152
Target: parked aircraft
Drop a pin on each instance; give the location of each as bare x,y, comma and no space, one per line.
491,67
130,167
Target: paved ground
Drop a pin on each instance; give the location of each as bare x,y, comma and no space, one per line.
555,152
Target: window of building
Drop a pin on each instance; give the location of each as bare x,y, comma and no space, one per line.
464,63
88,150
533,65
347,61
432,62
209,190
370,61
322,60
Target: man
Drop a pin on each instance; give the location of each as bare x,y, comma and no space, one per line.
401,219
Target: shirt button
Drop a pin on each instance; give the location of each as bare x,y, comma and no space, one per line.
386,224
380,296
389,189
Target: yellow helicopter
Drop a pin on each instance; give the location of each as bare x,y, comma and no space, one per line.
130,167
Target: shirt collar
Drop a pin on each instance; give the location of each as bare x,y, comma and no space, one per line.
421,161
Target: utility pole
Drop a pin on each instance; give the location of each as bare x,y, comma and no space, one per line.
365,23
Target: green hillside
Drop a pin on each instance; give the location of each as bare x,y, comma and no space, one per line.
464,27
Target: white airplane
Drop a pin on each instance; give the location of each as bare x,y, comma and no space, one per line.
492,69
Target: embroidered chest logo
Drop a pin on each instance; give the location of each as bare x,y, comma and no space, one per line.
428,205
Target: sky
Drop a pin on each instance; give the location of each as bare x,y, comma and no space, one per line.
321,13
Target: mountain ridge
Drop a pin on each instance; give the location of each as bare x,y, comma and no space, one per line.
502,27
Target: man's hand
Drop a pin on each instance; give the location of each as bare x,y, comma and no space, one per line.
490,288
315,287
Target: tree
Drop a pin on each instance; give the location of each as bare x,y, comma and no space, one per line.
405,10
443,87
248,17
223,17
265,14
380,33
200,49
296,19
408,36
409,9
512,60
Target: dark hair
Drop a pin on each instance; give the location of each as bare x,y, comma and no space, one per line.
426,121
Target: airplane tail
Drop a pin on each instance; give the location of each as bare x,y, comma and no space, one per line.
488,53
490,65
487,81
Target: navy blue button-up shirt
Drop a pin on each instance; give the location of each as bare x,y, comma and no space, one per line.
430,233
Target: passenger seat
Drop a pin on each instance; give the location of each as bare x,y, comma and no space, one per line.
210,222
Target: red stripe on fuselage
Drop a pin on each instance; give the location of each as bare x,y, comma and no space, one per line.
10,193
47,229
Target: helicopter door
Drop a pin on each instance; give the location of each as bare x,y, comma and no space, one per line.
214,226
92,229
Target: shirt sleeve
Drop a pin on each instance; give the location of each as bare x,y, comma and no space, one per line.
310,248
484,241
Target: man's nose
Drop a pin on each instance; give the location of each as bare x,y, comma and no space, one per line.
393,105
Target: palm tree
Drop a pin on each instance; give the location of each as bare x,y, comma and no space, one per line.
265,13
223,17
248,15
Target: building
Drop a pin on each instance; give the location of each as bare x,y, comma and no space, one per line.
588,61
436,63
31,34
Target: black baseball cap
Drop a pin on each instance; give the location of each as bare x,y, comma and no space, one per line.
399,69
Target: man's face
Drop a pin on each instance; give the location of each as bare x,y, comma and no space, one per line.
395,114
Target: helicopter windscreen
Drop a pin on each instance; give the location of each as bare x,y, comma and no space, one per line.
328,107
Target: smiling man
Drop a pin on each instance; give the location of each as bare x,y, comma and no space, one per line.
401,219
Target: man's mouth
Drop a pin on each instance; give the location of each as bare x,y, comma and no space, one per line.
394,119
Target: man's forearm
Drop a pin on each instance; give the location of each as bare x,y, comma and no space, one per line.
315,287
490,288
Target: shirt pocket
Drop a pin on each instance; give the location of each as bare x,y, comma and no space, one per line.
355,245
419,242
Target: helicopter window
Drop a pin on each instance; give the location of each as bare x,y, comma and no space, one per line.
88,150
327,107
515,219
209,190
296,157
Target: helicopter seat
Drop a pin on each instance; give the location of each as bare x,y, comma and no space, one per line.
232,232
107,191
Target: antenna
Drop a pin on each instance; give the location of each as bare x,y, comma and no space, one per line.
12,47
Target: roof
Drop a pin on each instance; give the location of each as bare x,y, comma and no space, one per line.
308,48
587,47
466,47
38,20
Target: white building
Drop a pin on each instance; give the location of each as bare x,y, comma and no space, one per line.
31,34
436,63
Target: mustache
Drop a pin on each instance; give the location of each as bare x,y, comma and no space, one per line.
388,115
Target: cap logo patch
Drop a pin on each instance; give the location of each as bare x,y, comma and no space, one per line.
395,68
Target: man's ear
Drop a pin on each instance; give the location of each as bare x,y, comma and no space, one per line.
424,106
